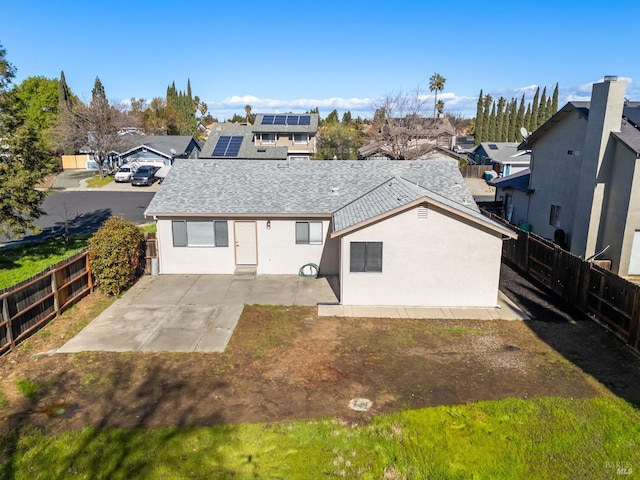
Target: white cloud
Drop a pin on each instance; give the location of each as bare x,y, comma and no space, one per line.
530,88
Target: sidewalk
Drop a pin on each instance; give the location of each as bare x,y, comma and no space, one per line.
76,180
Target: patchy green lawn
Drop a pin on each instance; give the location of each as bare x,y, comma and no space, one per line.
541,438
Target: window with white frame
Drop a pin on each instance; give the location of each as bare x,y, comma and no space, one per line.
300,138
554,216
200,233
309,233
366,257
269,138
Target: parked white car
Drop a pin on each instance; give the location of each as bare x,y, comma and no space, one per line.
124,173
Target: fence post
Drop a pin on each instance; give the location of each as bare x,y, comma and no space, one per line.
7,318
88,270
54,290
634,325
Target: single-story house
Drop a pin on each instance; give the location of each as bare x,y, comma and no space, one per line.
395,233
504,157
159,150
513,191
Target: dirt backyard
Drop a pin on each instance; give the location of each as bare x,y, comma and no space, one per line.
286,362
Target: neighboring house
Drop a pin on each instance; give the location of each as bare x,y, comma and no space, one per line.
272,137
396,233
504,157
159,150
463,144
409,138
236,141
513,192
585,177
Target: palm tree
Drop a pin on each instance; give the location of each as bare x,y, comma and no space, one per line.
436,84
247,110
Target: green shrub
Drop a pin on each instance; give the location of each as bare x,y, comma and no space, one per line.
115,251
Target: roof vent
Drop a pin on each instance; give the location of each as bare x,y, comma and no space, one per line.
283,165
357,165
335,190
611,78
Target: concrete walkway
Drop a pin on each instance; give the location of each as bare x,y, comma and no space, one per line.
505,310
190,313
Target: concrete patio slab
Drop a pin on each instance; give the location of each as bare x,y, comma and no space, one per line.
187,313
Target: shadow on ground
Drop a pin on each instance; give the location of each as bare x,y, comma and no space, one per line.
149,395
579,339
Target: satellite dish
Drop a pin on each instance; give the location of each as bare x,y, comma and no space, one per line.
524,133
173,151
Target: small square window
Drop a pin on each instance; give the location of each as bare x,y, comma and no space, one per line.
366,257
300,138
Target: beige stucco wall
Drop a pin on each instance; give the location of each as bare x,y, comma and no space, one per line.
276,248
621,211
555,175
519,201
442,261
285,140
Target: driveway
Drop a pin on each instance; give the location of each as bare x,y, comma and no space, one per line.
190,313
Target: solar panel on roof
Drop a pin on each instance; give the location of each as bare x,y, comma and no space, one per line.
280,120
305,120
234,147
292,119
227,146
267,120
493,146
221,146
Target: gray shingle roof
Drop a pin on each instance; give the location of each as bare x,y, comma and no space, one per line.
161,143
504,151
304,187
248,149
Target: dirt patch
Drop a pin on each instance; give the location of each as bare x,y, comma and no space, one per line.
286,362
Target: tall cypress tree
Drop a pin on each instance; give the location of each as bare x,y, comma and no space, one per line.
554,101
491,133
534,110
499,121
542,108
527,119
64,94
520,122
98,93
488,100
513,119
479,120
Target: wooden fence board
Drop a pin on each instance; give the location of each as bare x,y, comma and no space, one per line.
602,295
33,303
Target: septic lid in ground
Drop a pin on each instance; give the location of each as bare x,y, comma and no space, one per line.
360,404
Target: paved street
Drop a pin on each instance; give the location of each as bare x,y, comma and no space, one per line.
85,211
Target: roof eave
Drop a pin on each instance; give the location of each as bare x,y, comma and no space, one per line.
425,199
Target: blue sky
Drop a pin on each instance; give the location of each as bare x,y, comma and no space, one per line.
291,56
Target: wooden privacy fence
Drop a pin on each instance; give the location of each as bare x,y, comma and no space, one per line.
474,171
34,302
593,290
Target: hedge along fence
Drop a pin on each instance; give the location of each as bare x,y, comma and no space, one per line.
31,304
602,295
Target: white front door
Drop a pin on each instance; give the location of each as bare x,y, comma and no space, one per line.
246,243
634,261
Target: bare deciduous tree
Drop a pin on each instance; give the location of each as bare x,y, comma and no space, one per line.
401,125
93,127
